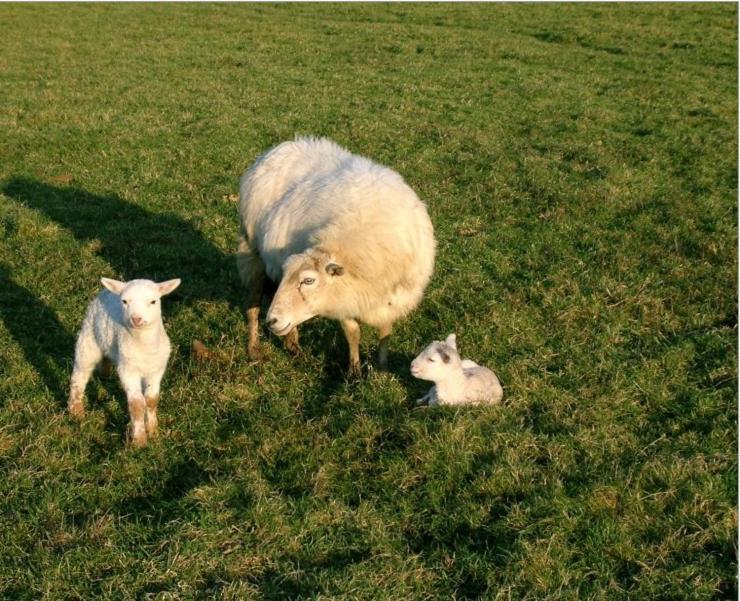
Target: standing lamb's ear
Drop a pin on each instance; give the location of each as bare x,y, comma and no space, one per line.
451,340
114,286
334,269
168,286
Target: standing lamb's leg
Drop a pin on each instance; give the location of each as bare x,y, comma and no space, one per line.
385,333
151,395
252,273
136,407
87,356
352,332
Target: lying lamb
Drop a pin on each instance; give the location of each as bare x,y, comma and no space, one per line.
456,381
123,325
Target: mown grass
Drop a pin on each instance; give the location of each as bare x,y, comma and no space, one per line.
580,167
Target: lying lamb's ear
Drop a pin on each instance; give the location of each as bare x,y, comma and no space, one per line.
168,286
451,340
114,286
334,269
445,357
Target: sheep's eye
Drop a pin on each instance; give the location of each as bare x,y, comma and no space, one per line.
152,302
430,359
125,302
308,281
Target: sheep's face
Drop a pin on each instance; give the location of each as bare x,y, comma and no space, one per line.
436,361
140,305
309,280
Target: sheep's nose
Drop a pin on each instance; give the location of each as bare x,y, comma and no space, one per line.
136,320
271,322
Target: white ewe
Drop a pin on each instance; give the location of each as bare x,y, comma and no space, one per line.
346,239
456,381
123,325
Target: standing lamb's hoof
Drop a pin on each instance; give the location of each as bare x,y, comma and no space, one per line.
76,409
137,438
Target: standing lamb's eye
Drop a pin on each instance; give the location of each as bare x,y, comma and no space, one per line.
308,281
152,302
125,302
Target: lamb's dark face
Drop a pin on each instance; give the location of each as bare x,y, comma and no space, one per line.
305,290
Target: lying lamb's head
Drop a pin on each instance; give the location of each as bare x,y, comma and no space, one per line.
436,360
306,290
140,300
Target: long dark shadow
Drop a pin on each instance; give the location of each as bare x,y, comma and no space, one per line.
46,343
134,241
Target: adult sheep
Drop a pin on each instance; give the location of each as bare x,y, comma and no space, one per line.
345,238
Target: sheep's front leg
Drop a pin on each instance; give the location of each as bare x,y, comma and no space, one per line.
385,333
252,273
151,396
352,332
291,341
136,407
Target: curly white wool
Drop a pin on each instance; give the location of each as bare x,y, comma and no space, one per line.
346,238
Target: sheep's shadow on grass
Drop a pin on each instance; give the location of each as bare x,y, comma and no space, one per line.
135,242
46,343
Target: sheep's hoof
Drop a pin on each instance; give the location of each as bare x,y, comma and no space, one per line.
200,351
355,370
253,352
137,439
291,342
76,409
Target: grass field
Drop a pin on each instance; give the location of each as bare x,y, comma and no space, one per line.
580,167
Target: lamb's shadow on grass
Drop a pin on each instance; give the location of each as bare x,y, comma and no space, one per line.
46,343
134,241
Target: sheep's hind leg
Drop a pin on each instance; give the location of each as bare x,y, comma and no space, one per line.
385,333
252,273
352,332
86,358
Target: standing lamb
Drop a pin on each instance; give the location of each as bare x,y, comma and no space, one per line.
123,325
456,381
345,238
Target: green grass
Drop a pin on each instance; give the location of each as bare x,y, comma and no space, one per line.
580,167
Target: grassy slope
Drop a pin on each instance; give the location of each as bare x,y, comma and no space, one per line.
579,163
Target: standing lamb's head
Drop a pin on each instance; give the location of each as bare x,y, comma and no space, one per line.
308,288
437,360
140,300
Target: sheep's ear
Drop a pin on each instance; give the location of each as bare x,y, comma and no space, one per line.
168,286
451,340
334,269
445,357
114,286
